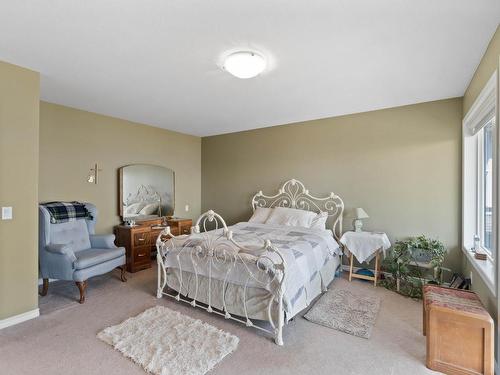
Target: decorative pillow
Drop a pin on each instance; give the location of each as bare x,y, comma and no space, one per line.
134,208
149,209
319,221
260,215
291,217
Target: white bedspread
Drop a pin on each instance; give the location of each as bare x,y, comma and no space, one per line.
305,252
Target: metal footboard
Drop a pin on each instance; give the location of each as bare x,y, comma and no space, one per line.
215,255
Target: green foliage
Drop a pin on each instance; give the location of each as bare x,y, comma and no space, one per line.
408,287
402,264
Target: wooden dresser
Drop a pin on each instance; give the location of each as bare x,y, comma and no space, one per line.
179,226
140,240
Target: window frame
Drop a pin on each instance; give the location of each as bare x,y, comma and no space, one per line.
484,108
480,206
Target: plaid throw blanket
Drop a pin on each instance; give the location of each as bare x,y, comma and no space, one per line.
61,212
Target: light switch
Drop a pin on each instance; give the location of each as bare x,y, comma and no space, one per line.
6,213
186,207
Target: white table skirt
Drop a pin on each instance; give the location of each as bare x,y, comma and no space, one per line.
364,245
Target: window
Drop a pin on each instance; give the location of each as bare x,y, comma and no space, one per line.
479,183
485,183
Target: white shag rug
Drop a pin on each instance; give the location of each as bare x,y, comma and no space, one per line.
344,311
165,342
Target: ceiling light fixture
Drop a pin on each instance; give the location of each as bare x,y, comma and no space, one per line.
244,64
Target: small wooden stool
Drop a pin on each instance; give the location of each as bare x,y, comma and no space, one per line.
364,246
376,272
459,332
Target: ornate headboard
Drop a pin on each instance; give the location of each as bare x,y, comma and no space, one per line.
293,194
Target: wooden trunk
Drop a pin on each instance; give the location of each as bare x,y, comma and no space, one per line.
459,332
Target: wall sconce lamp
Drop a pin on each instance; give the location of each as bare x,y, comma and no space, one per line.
93,175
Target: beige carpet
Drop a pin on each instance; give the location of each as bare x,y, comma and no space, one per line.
65,295
64,342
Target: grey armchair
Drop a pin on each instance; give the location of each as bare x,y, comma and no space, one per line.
71,251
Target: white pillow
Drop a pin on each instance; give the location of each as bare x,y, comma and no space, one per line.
260,215
134,208
319,221
290,217
149,209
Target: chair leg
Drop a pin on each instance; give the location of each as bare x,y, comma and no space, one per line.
376,269
82,286
122,274
351,266
45,287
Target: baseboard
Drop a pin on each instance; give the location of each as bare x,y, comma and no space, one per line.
16,319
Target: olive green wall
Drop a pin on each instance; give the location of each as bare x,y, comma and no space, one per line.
19,105
402,165
72,141
489,63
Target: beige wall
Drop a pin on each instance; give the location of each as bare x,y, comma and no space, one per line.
402,165
488,64
71,141
19,106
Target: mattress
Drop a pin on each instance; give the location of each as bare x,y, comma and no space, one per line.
260,303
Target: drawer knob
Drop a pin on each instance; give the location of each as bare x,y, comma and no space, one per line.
141,255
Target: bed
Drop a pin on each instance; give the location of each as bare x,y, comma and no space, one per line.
262,272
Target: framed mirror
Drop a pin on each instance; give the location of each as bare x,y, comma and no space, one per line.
146,192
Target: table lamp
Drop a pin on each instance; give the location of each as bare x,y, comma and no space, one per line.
359,214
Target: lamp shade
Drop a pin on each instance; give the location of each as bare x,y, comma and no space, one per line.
359,213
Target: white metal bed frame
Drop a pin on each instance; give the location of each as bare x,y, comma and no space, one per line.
218,250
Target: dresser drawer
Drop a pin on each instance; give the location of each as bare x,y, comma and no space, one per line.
142,254
154,237
174,231
180,226
141,238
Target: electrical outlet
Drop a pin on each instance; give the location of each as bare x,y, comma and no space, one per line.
6,213
186,207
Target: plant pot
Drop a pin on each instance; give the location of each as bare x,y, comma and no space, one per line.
420,255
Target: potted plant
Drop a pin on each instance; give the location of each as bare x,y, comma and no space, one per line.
407,261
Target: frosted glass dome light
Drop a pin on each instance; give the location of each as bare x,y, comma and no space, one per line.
244,64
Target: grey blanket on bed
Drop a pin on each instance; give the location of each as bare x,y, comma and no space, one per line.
305,252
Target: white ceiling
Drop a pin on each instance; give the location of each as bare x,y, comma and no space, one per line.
156,61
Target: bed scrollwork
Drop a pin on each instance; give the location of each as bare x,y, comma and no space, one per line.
211,253
293,194
238,272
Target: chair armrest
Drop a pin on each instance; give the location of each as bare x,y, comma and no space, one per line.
103,241
63,249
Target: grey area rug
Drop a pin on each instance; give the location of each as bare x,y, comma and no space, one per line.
346,312
166,342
